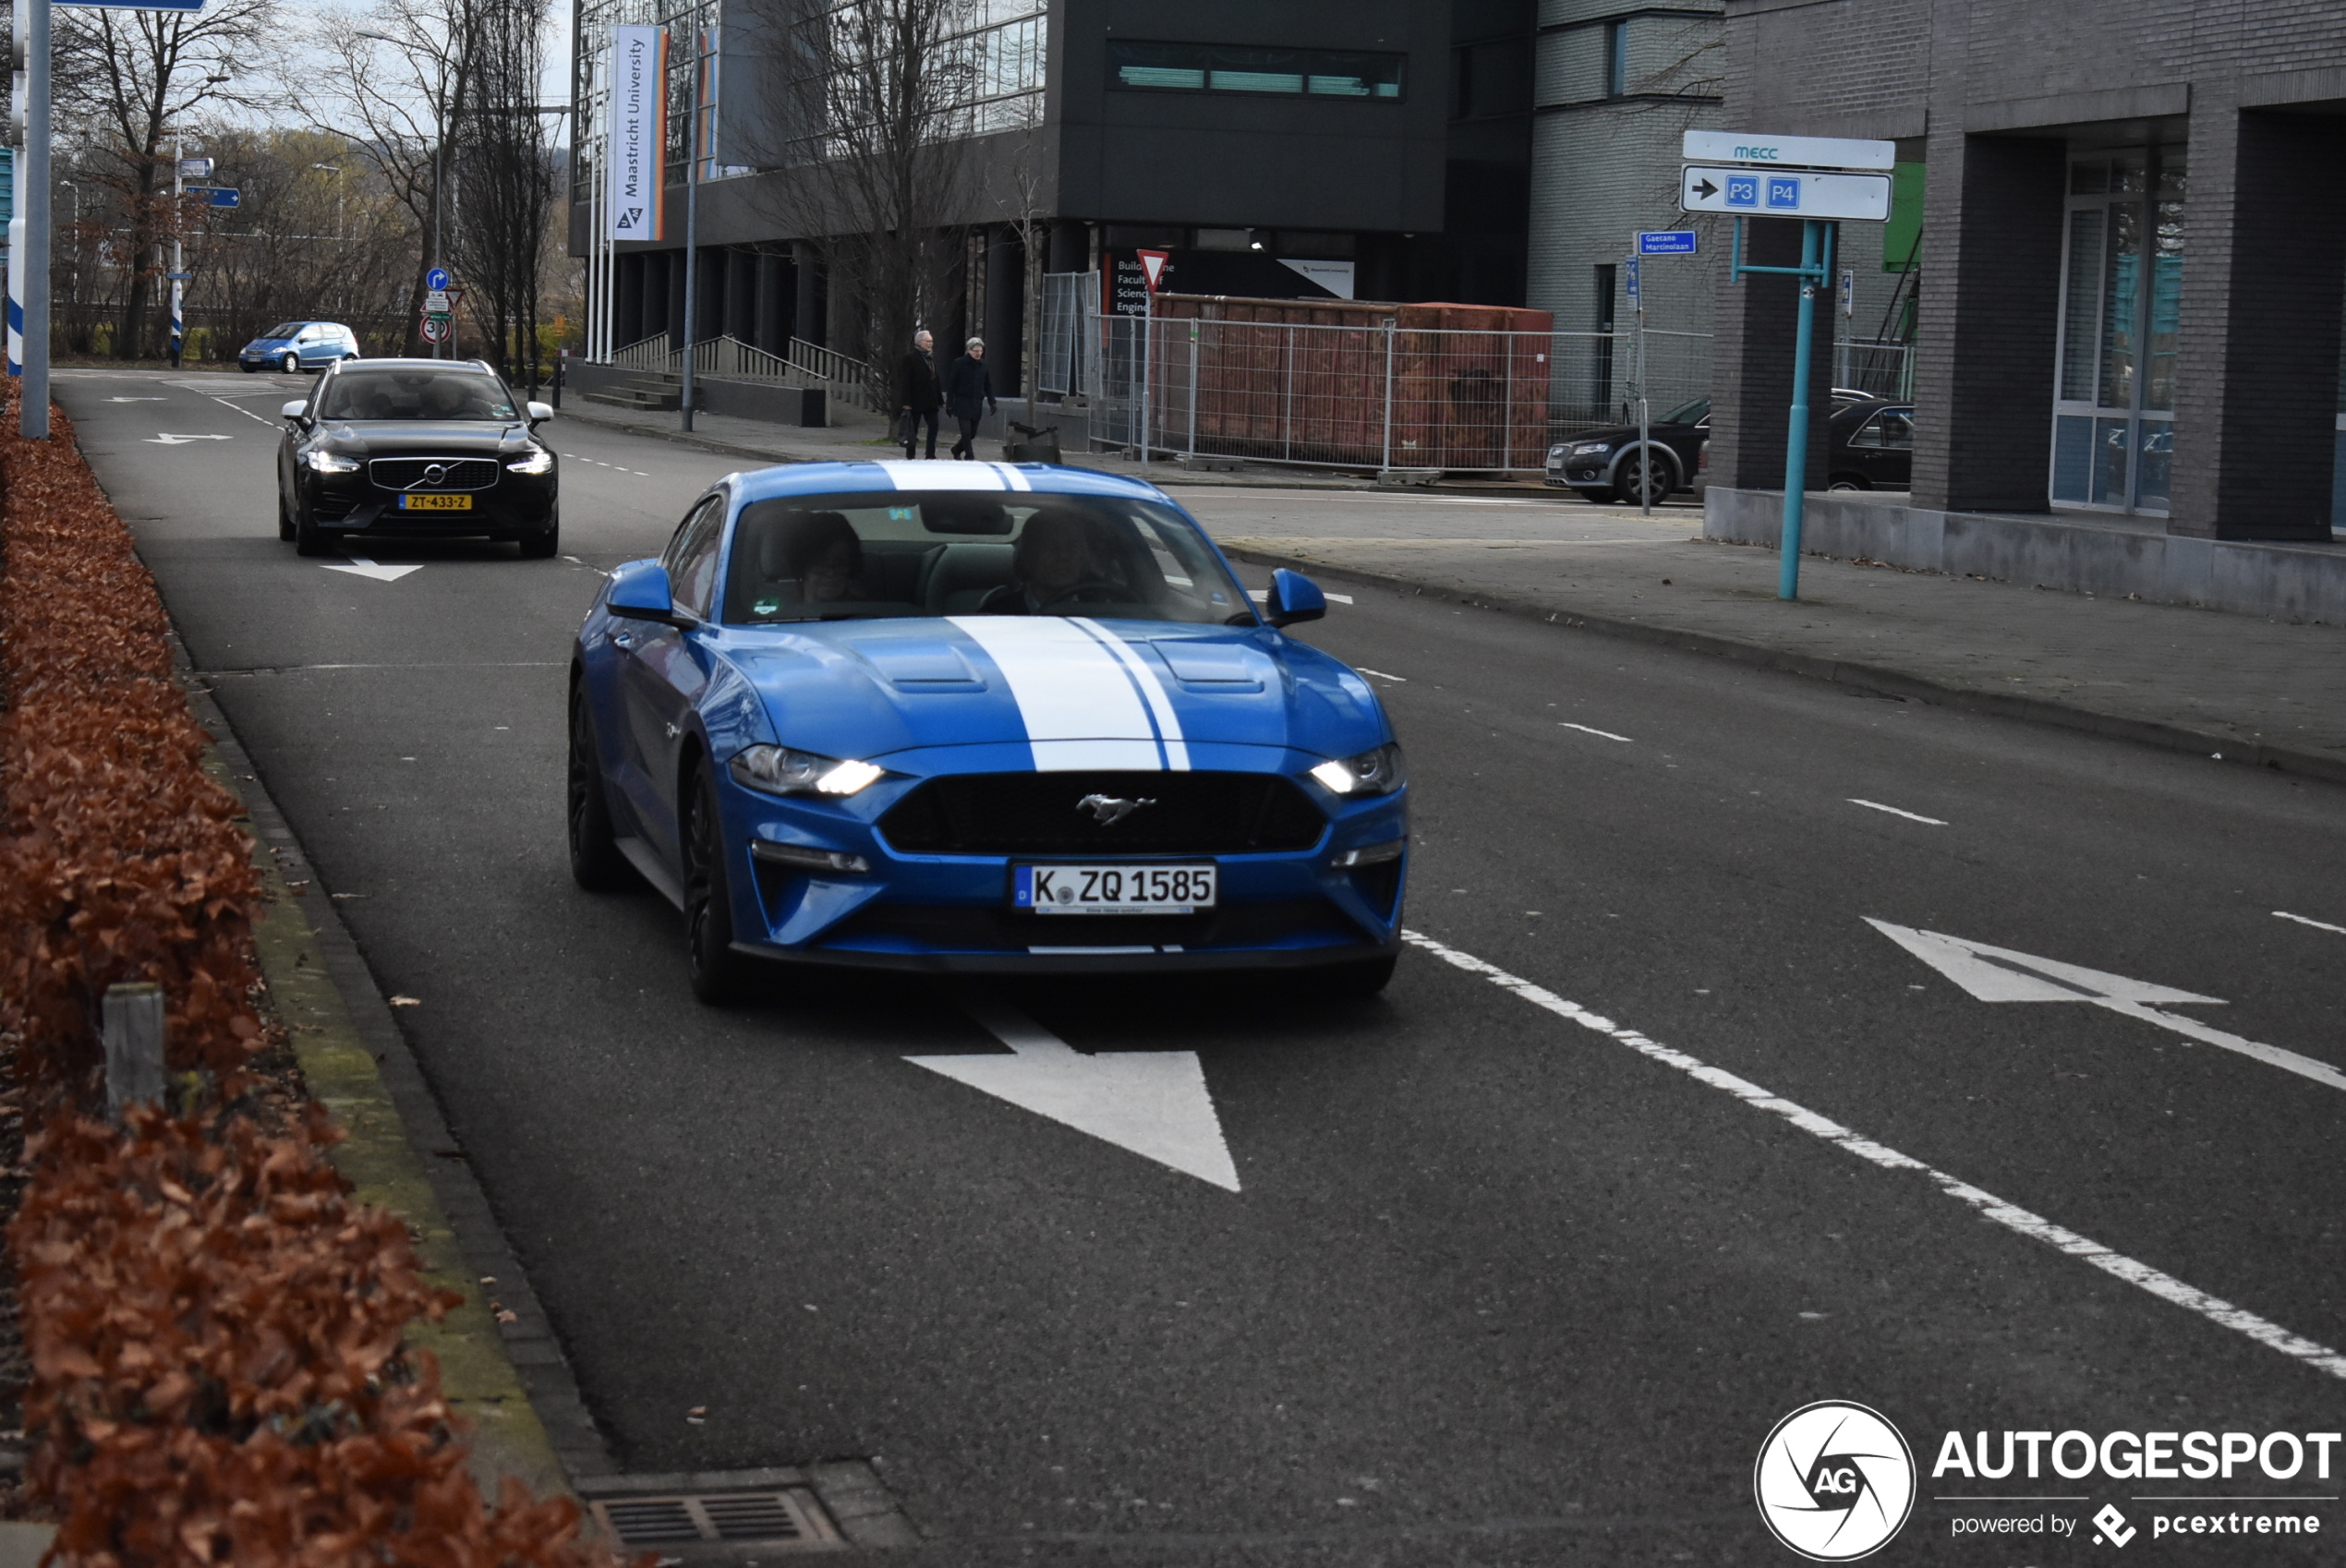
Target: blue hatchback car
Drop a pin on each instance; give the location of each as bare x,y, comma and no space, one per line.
963,717
292,346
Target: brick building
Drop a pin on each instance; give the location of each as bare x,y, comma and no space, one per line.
2132,289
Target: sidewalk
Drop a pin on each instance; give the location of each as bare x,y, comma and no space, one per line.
861,437
2255,691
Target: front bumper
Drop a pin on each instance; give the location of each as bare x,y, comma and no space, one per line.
516,503
951,912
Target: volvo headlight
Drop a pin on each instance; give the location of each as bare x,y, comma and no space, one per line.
533,460
324,462
1378,772
778,770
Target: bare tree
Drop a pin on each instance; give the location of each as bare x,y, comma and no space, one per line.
874,96
400,77
138,75
505,178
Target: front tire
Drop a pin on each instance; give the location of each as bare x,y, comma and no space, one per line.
285,519
1848,482
720,975
290,364
542,547
1646,479
596,863
310,539
246,366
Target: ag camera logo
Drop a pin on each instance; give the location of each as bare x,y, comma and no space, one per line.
1835,1481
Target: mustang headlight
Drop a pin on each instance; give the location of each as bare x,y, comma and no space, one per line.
324,462
1591,448
535,460
778,770
1378,772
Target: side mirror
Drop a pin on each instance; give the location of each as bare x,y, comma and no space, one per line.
540,412
1293,597
297,411
639,591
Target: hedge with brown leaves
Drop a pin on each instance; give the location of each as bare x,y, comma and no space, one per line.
215,1328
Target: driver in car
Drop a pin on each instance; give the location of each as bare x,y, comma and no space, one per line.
1051,564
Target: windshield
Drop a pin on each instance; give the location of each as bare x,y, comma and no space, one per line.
1687,413
283,330
899,553
414,395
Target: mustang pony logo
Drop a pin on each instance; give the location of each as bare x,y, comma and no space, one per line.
1107,809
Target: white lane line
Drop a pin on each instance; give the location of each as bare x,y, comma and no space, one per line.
1603,734
2316,924
1337,598
1893,810
248,413
1381,674
1990,1207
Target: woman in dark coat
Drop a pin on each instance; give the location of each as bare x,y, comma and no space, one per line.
918,394
965,387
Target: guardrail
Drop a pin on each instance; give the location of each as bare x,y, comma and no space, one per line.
807,363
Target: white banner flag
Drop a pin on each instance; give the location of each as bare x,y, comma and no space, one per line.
638,174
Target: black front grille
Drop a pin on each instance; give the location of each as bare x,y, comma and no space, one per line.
415,473
1041,814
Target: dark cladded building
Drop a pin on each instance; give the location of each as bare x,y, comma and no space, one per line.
2131,268
1371,149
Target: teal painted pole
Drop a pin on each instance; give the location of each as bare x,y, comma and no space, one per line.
1796,454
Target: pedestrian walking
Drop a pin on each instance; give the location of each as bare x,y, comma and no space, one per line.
966,386
919,393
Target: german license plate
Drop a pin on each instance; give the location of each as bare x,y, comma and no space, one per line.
1112,889
435,503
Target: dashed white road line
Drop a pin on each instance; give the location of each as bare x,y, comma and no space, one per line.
1893,810
2316,924
1381,674
1989,1206
1602,734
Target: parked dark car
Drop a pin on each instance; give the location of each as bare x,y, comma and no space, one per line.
1873,446
1602,466
415,447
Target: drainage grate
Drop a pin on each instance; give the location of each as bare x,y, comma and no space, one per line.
766,1518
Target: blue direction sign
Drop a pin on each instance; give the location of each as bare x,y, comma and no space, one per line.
1630,280
1666,242
221,195
437,280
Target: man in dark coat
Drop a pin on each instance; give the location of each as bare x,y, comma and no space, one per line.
918,393
965,387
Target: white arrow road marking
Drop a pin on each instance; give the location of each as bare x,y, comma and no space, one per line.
361,567
1152,1102
1893,810
167,438
1999,974
1989,1206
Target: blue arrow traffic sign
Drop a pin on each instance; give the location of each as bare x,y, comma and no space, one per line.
1666,242
437,280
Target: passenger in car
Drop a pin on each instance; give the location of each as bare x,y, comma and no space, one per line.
821,552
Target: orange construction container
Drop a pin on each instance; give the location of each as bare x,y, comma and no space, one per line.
1359,383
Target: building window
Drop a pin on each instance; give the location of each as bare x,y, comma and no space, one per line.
1291,73
2121,291
1617,59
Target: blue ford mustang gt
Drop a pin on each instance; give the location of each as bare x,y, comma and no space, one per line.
979,718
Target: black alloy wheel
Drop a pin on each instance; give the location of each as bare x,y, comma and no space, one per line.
1647,477
596,863
718,974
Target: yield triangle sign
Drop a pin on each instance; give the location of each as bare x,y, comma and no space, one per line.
1153,263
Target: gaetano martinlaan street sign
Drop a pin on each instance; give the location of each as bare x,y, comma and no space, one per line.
1772,193
1787,151
1666,242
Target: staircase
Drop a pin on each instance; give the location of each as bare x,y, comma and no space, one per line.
655,391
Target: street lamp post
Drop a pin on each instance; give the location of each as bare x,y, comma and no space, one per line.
342,193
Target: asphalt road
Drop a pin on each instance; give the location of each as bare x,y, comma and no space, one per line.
1497,1286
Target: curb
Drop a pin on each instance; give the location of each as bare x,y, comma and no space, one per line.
1864,676
507,1377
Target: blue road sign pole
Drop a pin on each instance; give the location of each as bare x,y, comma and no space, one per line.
1815,272
32,391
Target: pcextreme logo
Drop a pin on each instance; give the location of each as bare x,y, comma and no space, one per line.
1834,1481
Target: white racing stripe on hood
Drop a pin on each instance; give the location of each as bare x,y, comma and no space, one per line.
1078,702
1160,701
